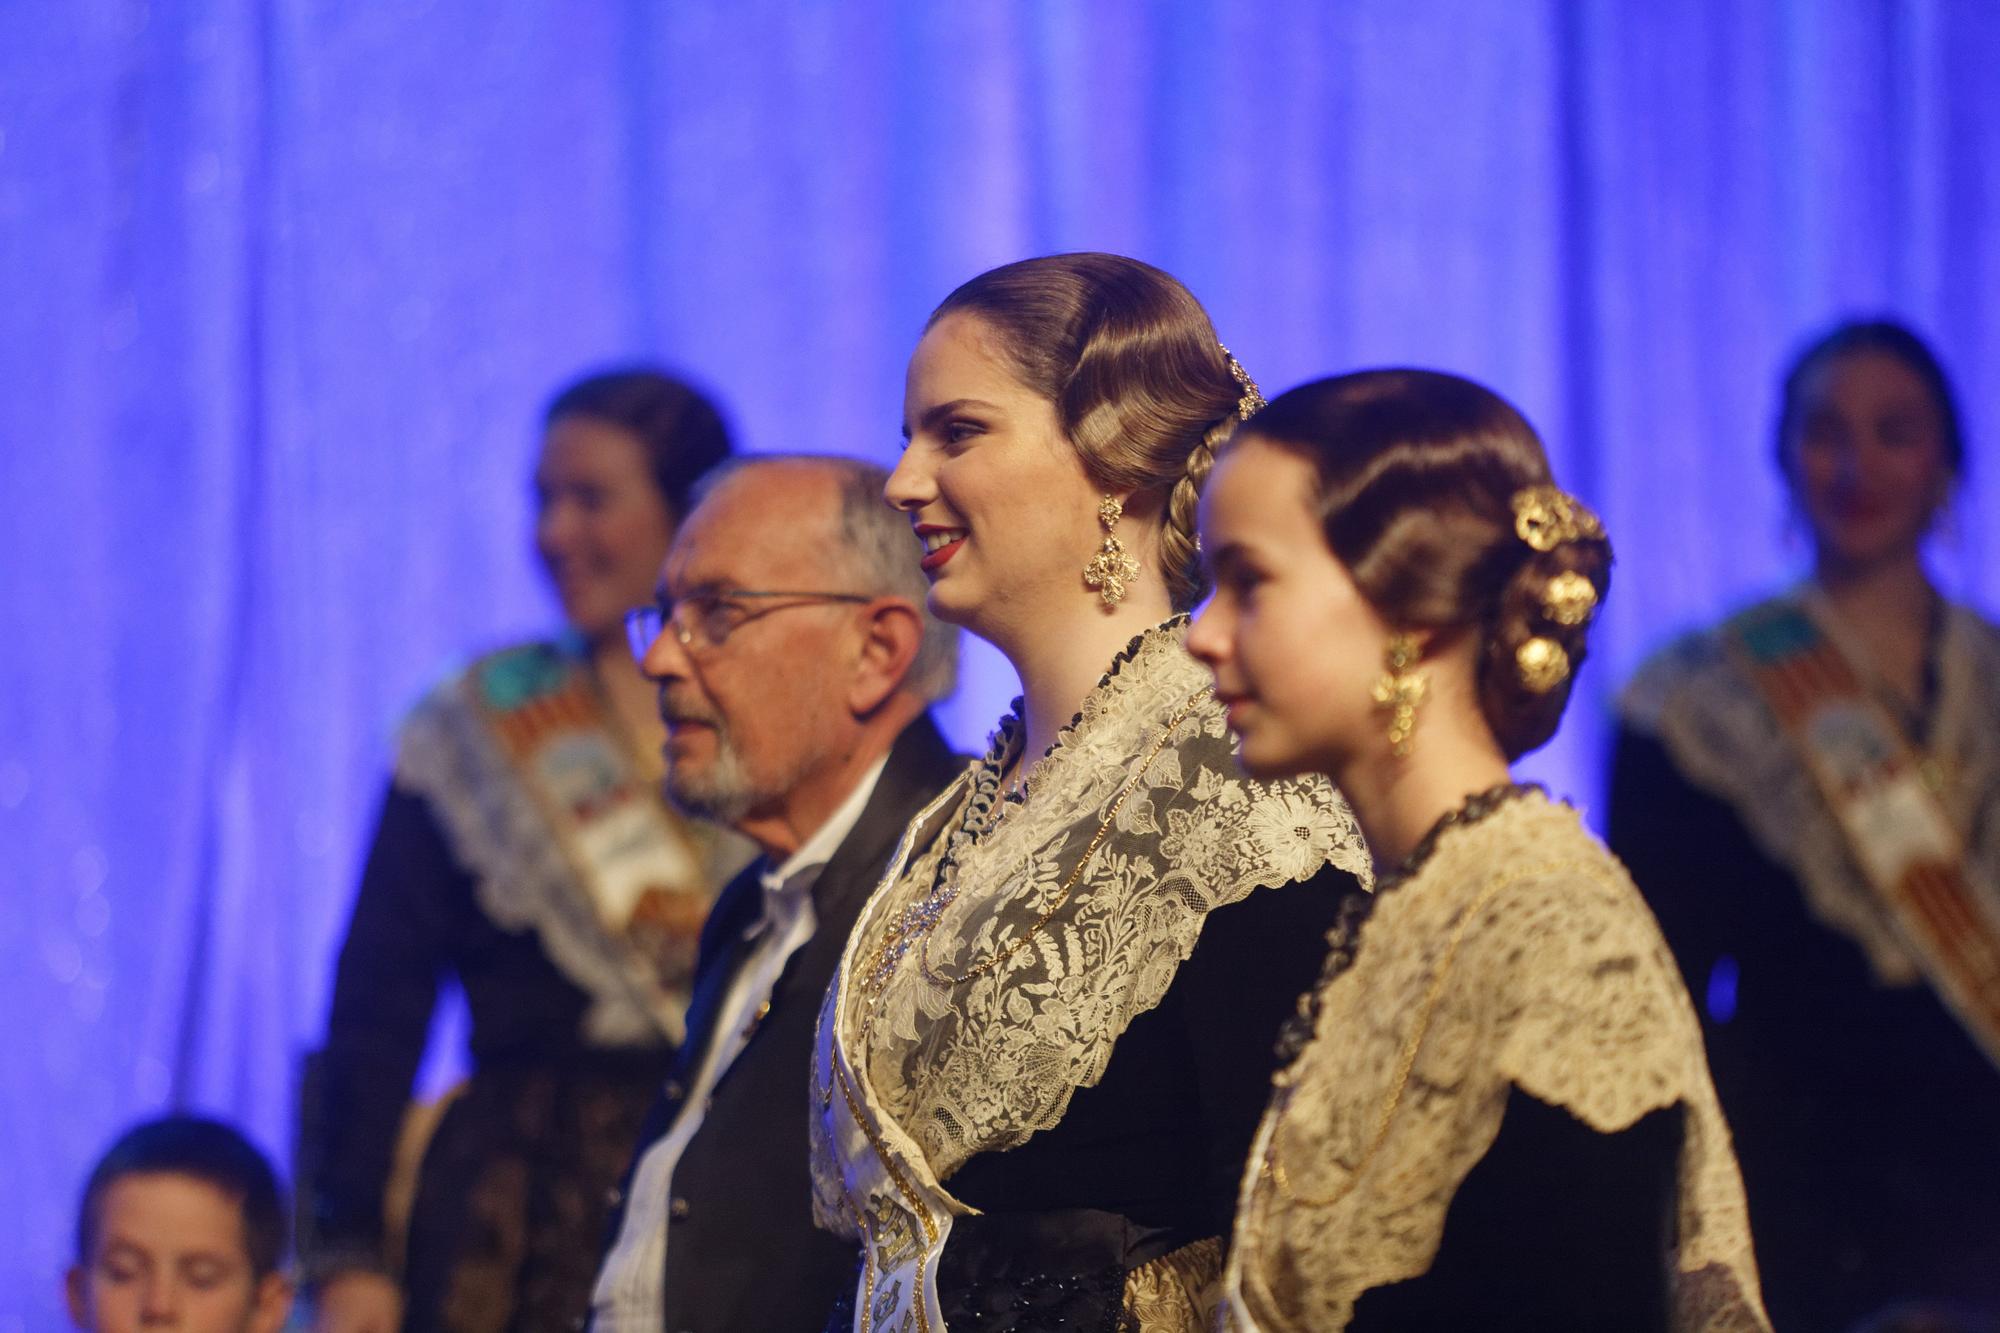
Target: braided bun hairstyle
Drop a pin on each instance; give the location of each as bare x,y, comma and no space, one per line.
1436,496
1141,387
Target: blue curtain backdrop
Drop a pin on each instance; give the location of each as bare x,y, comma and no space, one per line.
285,281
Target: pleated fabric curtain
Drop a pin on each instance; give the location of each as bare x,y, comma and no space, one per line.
286,282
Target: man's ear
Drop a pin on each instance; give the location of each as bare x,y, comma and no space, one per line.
73,1292
272,1305
891,633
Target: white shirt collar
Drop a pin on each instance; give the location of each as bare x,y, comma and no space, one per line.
795,878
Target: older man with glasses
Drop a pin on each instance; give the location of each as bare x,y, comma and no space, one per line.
795,663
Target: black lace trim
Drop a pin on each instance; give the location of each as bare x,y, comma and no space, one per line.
1002,738
1478,806
984,801
1344,940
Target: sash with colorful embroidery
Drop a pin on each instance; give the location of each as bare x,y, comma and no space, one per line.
643,875
1883,797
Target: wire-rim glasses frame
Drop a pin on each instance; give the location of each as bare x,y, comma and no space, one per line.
706,619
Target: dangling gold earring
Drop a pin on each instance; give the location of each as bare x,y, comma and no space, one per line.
1110,569
1399,690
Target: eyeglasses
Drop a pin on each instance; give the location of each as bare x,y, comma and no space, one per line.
706,619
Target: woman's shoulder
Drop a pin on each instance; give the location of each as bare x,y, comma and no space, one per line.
1535,853
501,679
1588,1008
1973,634
1695,669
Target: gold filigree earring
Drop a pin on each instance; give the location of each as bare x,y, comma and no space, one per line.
1111,568
1400,689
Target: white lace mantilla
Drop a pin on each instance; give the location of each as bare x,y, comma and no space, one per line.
448,755
1519,955
950,1071
1720,733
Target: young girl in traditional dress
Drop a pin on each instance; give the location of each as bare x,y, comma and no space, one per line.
1496,1112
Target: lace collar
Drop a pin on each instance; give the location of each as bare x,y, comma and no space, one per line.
1112,865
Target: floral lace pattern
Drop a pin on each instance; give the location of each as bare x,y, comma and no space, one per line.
1722,736
1518,955
981,1066
913,1075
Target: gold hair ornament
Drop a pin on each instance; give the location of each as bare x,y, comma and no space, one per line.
1251,399
1399,690
1569,599
1546,517
1542,664
1111,568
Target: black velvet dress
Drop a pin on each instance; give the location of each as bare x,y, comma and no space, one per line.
1866,1118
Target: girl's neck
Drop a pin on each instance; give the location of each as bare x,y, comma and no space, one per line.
1399,800
1060,663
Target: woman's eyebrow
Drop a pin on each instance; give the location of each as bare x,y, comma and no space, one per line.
934,415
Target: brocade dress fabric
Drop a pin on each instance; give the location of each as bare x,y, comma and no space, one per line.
1866,1117
1498,1115
1042,1057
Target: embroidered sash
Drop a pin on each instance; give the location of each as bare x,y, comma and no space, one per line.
1885,799
644,878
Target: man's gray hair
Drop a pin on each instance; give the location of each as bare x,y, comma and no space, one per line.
878,554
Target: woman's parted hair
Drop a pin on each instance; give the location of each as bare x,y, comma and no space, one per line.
681,429
1140,384
1415,477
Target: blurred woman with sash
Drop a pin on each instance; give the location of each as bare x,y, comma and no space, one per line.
1809,795
524,848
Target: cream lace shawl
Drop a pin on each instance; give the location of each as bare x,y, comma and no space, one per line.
447,754
953,1071
1519,955
1722,737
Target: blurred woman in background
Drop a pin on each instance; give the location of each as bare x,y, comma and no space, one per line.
1809,794
523,847
1495,1112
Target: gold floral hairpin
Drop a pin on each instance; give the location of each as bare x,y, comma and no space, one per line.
1251,400
1546,517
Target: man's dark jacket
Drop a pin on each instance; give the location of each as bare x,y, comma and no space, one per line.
742,1251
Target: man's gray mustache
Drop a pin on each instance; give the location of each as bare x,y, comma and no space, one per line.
672,713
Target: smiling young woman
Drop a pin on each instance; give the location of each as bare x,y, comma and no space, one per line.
1809,794
1047,1044
1495,1112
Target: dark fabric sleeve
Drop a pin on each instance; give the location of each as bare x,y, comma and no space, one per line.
385,987
1254,963
1675,841
1557,1228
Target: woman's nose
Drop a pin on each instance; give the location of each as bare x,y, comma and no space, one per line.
910,486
